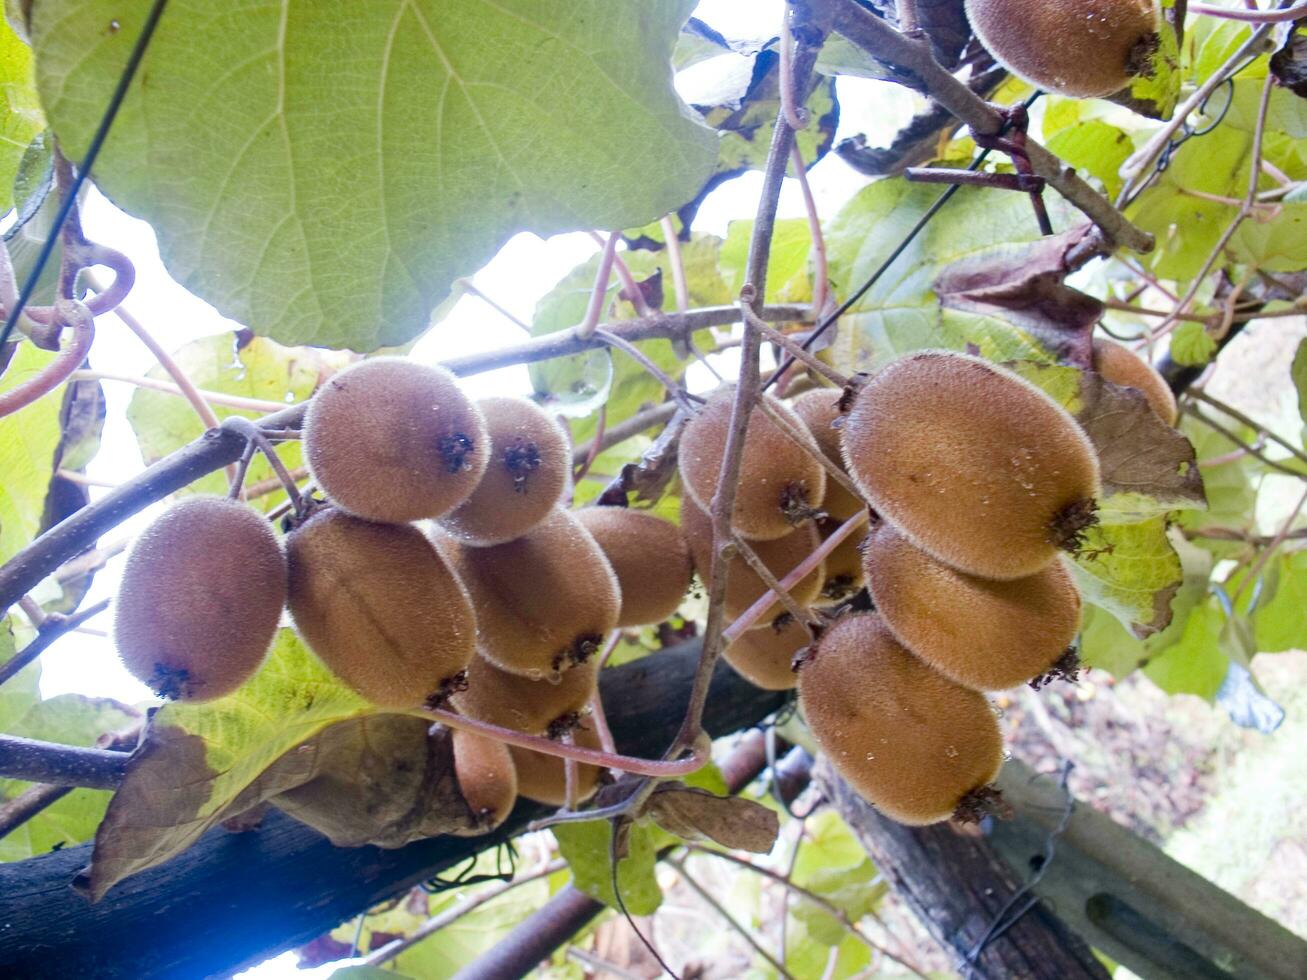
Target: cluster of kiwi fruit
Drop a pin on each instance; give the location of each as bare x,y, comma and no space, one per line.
443,568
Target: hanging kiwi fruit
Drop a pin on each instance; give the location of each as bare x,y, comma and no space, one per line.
200,598
765,656
487,779
972,463
985,634
918,746
536,707
543,778
381,608
819,408
780,486
649,557
391,440
544,601
1078,48
1122,366
529,465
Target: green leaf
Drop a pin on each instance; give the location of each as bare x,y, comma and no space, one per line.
444,953
28,439
199,760
857,891
587,847
1298,372
323,176
1192,345
1195,664
1278,244
787,267
1231,493
20,110
1107,645
1132,571
365,973
259,369
902,312
1156,92
1280,619
1085,142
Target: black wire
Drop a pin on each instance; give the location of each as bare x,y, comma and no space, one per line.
899,249
97,141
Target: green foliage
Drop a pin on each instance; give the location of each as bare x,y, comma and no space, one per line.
20,111
231,364
27,441
340,214
587,847
788,280
1299,374
1192,345
199,761
1130,570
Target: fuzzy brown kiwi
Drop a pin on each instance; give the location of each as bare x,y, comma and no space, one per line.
986,634
530,464
1124,367
648,555
765,656
542,778
912,742
544,601
743,586
780,484
391,440
844,575
974,464
1079,48
381,608
536,707
200,598
820,410
487,779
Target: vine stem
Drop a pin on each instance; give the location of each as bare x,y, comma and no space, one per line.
797,351
885,44
470,288
546,746
755,612
1233,437
774,587
679,394
1251,16
451,915
678,264
1238,416
820,272
69,313
50,629
207,398
259,437
1281,536
629,285
619,433
748,388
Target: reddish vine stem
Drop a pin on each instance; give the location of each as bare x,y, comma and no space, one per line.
820,272
678,264
1281,16
259,437
632,288
595,310
678,393
69,313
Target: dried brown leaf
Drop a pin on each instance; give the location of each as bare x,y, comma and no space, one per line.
696,815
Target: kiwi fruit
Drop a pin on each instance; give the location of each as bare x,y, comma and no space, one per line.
765,656
544,601
844,569
819,408
985,634
529,466
913,743
649,556
1078,48
781,483
536,707
743,586
1122,366
542,777
390,440
200,598
486,777
381,608
974,464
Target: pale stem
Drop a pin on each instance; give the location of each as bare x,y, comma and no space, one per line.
797,351
820,271
169,388
470,288
603,274
678,265
632,288
774,587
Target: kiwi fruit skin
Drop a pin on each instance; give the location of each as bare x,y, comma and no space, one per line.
510,700
1122,366
649,556
1078,48
819,408
529,467
743,586
380,607
844,567
486,777
974,464
542,778
779,479
984,634
544,601
911,742
393,441
201,595
764,656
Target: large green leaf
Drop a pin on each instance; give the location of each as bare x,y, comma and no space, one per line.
200,760
257,368
787,264
20,111
28,439
587,846
1231,492
902,311
1280,619
323,172
1132,571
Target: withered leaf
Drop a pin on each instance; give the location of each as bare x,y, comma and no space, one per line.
697,815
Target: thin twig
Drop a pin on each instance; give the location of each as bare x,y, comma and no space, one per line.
797,351
615,434
451,915
169,388
1230,434
603,274
51,628
793,111
773,587
1280,16
1279,539
1238,416
820,272
635,296
256,435
470,288
678,264
678,393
